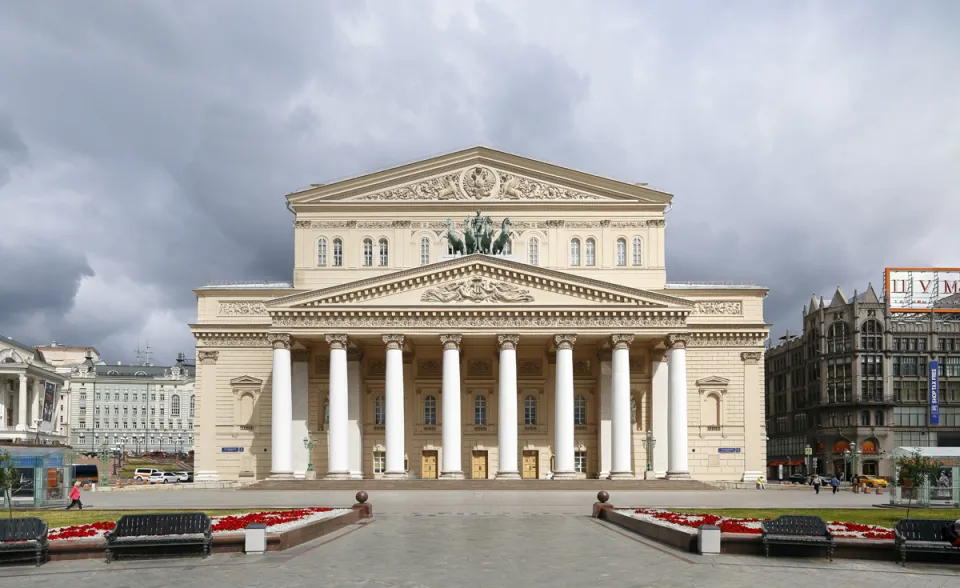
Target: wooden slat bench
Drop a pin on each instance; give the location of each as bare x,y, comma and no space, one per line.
805,530
923,536
139,531
25,535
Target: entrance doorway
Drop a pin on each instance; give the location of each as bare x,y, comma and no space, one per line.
479,465
531,465
429,464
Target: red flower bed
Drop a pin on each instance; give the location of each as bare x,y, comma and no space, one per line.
240,522
752,526
78,531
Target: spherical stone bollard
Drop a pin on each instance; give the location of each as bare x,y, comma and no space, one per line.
362,497
601,504
603,496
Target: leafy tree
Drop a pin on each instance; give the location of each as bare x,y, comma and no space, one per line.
914,471
9,479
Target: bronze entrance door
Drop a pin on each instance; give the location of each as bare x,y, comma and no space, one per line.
479,465
429,465
531,465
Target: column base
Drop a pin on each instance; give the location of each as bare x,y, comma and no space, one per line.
651,475
451,475
621,476
395,476
356,475
22,428
565,475
660,474
337,476
281,476
678,475
508,476
208,476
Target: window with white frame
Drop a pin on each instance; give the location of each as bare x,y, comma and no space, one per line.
575,252
338,252
322,252
174,406
424,251
480,410
621,251
533,251
580,461
384,254
591,251
368,252
193,405
430,410
530,410
637,251
579,410
379,462
379,411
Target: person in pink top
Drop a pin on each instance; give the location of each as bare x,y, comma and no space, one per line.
75,496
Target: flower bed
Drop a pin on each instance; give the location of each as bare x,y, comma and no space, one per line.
748,526
275,521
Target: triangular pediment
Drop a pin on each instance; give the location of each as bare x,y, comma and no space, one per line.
478,175
246,381
712,381
480,280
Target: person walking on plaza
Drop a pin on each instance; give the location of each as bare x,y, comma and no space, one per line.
834,483
817,482
75,496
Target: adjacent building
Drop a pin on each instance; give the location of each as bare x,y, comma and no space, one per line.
479,315
66,359
31,395
855,385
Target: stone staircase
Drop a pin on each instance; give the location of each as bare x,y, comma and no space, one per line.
480,485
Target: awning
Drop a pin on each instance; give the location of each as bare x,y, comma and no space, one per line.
795,462
779,462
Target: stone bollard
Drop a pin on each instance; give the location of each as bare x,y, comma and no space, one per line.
708,539
365,510
601,504
255,539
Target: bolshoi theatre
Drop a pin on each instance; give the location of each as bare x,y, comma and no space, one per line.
480,315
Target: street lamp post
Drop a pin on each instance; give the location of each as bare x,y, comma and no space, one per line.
851,454
309,443
648,444
37,422
179,446
104,457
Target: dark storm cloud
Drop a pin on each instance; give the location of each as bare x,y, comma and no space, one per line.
150,144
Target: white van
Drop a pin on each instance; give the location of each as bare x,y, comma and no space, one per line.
143,474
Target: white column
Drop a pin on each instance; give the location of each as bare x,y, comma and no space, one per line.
660,414
354,415
604,430
339,463
620,431
3,403
563,401
677,408
507,408
37,408
22,403
282,423
300,412
452,446
394,401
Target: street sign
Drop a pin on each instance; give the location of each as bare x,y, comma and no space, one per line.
231,449
808,451
728,450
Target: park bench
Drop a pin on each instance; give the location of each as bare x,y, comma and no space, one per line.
146,533
26,535
923,535
805,530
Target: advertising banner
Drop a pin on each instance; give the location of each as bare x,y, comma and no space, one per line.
46,413
923,289
934,393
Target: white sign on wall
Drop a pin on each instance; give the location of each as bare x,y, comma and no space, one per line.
917,289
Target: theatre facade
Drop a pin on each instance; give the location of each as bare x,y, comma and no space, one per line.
480,315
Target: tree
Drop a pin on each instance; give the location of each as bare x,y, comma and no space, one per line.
9,479
914,471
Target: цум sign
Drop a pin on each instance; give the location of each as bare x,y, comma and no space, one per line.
934,393
231,449
919,289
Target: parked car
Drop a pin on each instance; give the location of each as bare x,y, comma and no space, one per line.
144,474
873,482
164,478
184,476
797,479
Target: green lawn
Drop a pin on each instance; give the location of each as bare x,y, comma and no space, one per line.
64,518
884,517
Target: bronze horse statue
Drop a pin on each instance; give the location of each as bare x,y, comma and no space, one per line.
503,239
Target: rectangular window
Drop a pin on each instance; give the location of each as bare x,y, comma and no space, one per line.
952,392
950,416
580,461
337,252
83,396
951,367
379,462
83,424
909,416
871,365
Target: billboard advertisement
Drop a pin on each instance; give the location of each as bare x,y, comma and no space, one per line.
46,413
923,289
934,393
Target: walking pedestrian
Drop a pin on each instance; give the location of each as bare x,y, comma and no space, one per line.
817,482
834,483
75,496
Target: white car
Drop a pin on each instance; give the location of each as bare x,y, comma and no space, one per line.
164,478
182,476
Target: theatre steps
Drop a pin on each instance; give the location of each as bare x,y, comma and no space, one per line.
481,485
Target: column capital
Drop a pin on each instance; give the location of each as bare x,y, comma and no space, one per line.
393,341
337,341
279,340
208,357
23,379
451,341
565,341
677,341
751,357
621,341
508,341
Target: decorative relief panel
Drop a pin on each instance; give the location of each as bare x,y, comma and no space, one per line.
440,228
638,365
582,368
529,368
429,368
459,321
321,366
480,368
377,367
725,339
242,308
230,340
718,308
477,290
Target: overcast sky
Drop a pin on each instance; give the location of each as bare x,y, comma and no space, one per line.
145,147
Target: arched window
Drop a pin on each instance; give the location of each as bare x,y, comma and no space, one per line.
430,410
368,252
591,251
637,251
533,251
384,255
322,252
838,338
530,410
864,418
711,411
193,405
246,409
579,410
621,251
175,405
575,252
338,252
878,418
480,410
871,335
379,411
424,251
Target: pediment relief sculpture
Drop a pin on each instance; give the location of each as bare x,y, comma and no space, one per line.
477,290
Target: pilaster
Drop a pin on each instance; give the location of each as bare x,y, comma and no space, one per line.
206,409
754,441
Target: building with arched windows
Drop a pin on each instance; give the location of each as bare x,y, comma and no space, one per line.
394,354
857,380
